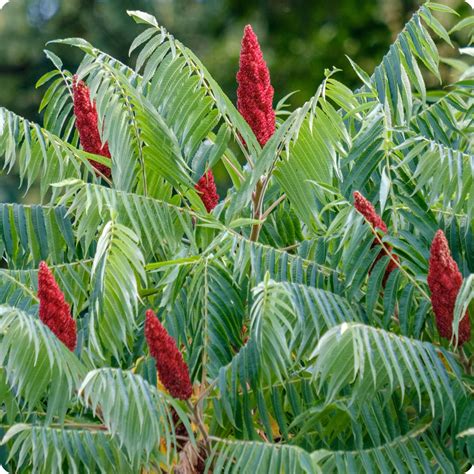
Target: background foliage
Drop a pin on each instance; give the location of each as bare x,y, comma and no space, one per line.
300,39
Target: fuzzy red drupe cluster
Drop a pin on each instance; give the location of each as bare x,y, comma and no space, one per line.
54,312
368,211
172,369
444,281
255,92
366,208
87,125
206,187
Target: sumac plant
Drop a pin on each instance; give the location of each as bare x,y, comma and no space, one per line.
315,317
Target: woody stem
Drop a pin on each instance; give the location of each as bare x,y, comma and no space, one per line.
256,199
198,421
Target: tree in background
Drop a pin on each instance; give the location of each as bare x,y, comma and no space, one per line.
301,38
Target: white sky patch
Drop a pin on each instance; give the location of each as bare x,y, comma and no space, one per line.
471,2
2,4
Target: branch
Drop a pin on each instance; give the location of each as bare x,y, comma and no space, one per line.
198,421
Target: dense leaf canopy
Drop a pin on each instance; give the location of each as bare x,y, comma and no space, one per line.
304,353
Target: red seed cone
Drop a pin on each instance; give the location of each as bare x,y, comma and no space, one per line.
445,280
368,211
172,370
87,125
54,312
255,92
206,187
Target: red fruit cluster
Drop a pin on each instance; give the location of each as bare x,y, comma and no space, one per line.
368,211
255,92
179,429
172,370
54,312
206,187
87,125
445,280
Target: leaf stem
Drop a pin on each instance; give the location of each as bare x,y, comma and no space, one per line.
236,170
397,263
273,206
82,426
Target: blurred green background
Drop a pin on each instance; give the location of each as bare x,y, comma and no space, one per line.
299,38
